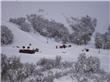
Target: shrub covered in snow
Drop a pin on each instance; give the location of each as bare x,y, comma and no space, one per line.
21,21
49,77
67,64
87,65
50,63
11,69
6,35
58,75
46,63
82,29
29,69
86,70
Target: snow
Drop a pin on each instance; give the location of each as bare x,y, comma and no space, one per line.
58,13
64,79
48,50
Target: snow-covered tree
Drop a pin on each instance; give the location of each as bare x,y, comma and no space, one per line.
93,64
11,69
4,66
51,29
103,40
58,60
21,22
87,64
6,35
18,20
99,40
83,29
29,69
107,40
81,63
47,63
25,27
109,28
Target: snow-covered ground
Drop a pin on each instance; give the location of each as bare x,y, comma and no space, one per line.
48,50
58,12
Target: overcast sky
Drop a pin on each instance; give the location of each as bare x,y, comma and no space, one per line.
57,10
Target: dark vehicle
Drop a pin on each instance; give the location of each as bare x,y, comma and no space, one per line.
28,51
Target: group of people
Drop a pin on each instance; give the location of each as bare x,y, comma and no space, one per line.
85,49
63,46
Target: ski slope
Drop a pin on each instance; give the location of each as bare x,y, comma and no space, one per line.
48,50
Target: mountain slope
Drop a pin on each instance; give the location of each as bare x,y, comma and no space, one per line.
48,50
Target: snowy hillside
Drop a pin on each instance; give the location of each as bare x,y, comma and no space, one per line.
55,41
48,50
